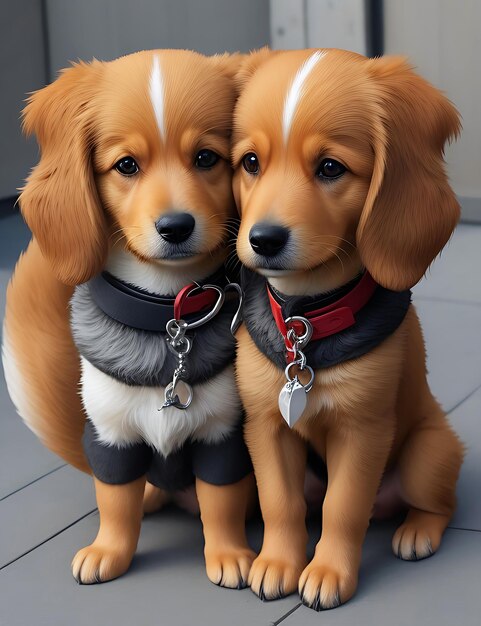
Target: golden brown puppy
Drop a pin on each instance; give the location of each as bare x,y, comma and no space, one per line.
125,145
339,169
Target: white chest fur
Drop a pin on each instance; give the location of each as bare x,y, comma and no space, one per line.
124,414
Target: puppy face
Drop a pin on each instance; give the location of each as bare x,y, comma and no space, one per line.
339,163
135,153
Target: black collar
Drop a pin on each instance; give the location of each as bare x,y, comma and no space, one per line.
137,307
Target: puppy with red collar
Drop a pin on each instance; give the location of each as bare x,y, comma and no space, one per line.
129,208
344,202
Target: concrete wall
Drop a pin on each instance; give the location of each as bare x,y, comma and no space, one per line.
22,69
442,39
109,28
319,24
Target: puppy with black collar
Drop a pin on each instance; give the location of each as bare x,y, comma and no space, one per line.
122,290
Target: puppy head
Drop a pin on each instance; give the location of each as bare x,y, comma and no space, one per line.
339,160
134,152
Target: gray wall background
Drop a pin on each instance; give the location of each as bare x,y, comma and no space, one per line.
109,28
40,37
22,69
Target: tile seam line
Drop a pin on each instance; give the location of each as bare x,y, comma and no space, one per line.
20,556
468,530
460,402
32,482
286,615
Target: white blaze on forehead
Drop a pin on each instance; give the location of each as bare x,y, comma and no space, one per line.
156,88
295,92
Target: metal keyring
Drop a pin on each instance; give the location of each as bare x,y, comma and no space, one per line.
303,339
213,312
308,386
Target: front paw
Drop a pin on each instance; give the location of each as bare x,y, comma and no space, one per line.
323,586
271,579
229,567
98,564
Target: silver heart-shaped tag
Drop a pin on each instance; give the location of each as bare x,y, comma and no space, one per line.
292,401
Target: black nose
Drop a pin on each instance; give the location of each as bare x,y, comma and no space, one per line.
268,239
175,227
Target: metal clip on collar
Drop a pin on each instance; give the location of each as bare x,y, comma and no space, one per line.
298,342
180,344
293,395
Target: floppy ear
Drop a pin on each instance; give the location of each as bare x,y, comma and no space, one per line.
60,201
410,211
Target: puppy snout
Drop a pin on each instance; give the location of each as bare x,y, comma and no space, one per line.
175,227
268,239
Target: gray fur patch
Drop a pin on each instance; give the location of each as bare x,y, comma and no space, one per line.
139,357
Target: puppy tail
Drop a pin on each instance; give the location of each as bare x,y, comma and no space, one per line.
41,364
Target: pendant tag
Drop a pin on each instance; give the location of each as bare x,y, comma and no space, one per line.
172,398
292,401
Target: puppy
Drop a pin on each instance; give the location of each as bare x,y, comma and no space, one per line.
131,203
344,204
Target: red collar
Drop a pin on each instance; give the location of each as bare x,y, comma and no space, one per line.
330,319
185,302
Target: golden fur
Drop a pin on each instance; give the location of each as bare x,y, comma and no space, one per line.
391,212
78,208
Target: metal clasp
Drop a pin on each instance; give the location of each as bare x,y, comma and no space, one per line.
237,319
212,313
299,359
180,344
294,338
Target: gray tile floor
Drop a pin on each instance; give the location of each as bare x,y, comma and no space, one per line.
47,510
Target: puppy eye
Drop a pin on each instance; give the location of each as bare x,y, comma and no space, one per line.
127,166
206,159
329,168
250,163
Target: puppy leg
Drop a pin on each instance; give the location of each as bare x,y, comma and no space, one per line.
428,467
154,498
110,555
279,459
223,509
355,463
